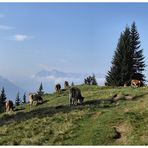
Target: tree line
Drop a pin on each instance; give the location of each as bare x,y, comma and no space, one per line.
18,100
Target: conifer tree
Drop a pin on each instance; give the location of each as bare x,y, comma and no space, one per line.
90,80
127,62
72,84
24,98
138,63
40,91
3,97
94,81
18,100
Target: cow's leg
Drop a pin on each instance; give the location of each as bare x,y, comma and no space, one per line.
6,109
70,100
75,101
81,101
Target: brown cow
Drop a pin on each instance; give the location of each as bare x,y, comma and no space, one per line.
75,96
57,87
9,105
66,85
136,83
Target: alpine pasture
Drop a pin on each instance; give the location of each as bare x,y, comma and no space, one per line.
97,122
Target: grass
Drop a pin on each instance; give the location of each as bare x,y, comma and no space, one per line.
55,123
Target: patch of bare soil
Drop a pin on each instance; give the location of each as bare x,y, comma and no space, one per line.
124,130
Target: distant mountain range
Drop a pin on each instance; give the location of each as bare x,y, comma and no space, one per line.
48,78
56,73
11,89
55,76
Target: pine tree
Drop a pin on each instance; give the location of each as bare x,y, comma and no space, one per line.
24,98
18,100
40,91
113,77
138,65
72,84
127,62
3,97
90,80
94,81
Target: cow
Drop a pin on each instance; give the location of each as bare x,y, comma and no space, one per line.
75,96
66,85
136,83
57,87
9,105
35,99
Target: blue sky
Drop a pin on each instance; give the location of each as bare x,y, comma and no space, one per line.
72,37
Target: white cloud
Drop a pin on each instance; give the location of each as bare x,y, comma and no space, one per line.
4,27
21,37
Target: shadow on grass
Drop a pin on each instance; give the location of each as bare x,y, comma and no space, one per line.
139,96
44,112
50,111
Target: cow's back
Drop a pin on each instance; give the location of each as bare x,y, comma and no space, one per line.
135,82
75,92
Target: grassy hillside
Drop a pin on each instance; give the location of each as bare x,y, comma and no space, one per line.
55,123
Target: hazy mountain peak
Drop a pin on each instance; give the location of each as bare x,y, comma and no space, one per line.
10,88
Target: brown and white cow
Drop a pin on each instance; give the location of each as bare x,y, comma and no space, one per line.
57,87
9,105
136,83
35,99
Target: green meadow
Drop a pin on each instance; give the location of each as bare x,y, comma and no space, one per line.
93,123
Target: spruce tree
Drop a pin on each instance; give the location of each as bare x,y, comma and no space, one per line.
94,81
18,100
24,98
40,91
127,62
90,80
138,63
72,84
3,97
118,73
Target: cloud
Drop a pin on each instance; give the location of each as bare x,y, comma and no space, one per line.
4,27
21,37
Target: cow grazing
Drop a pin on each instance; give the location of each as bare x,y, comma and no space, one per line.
9,106
57,87
75,96
35,99
66,85
136,83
